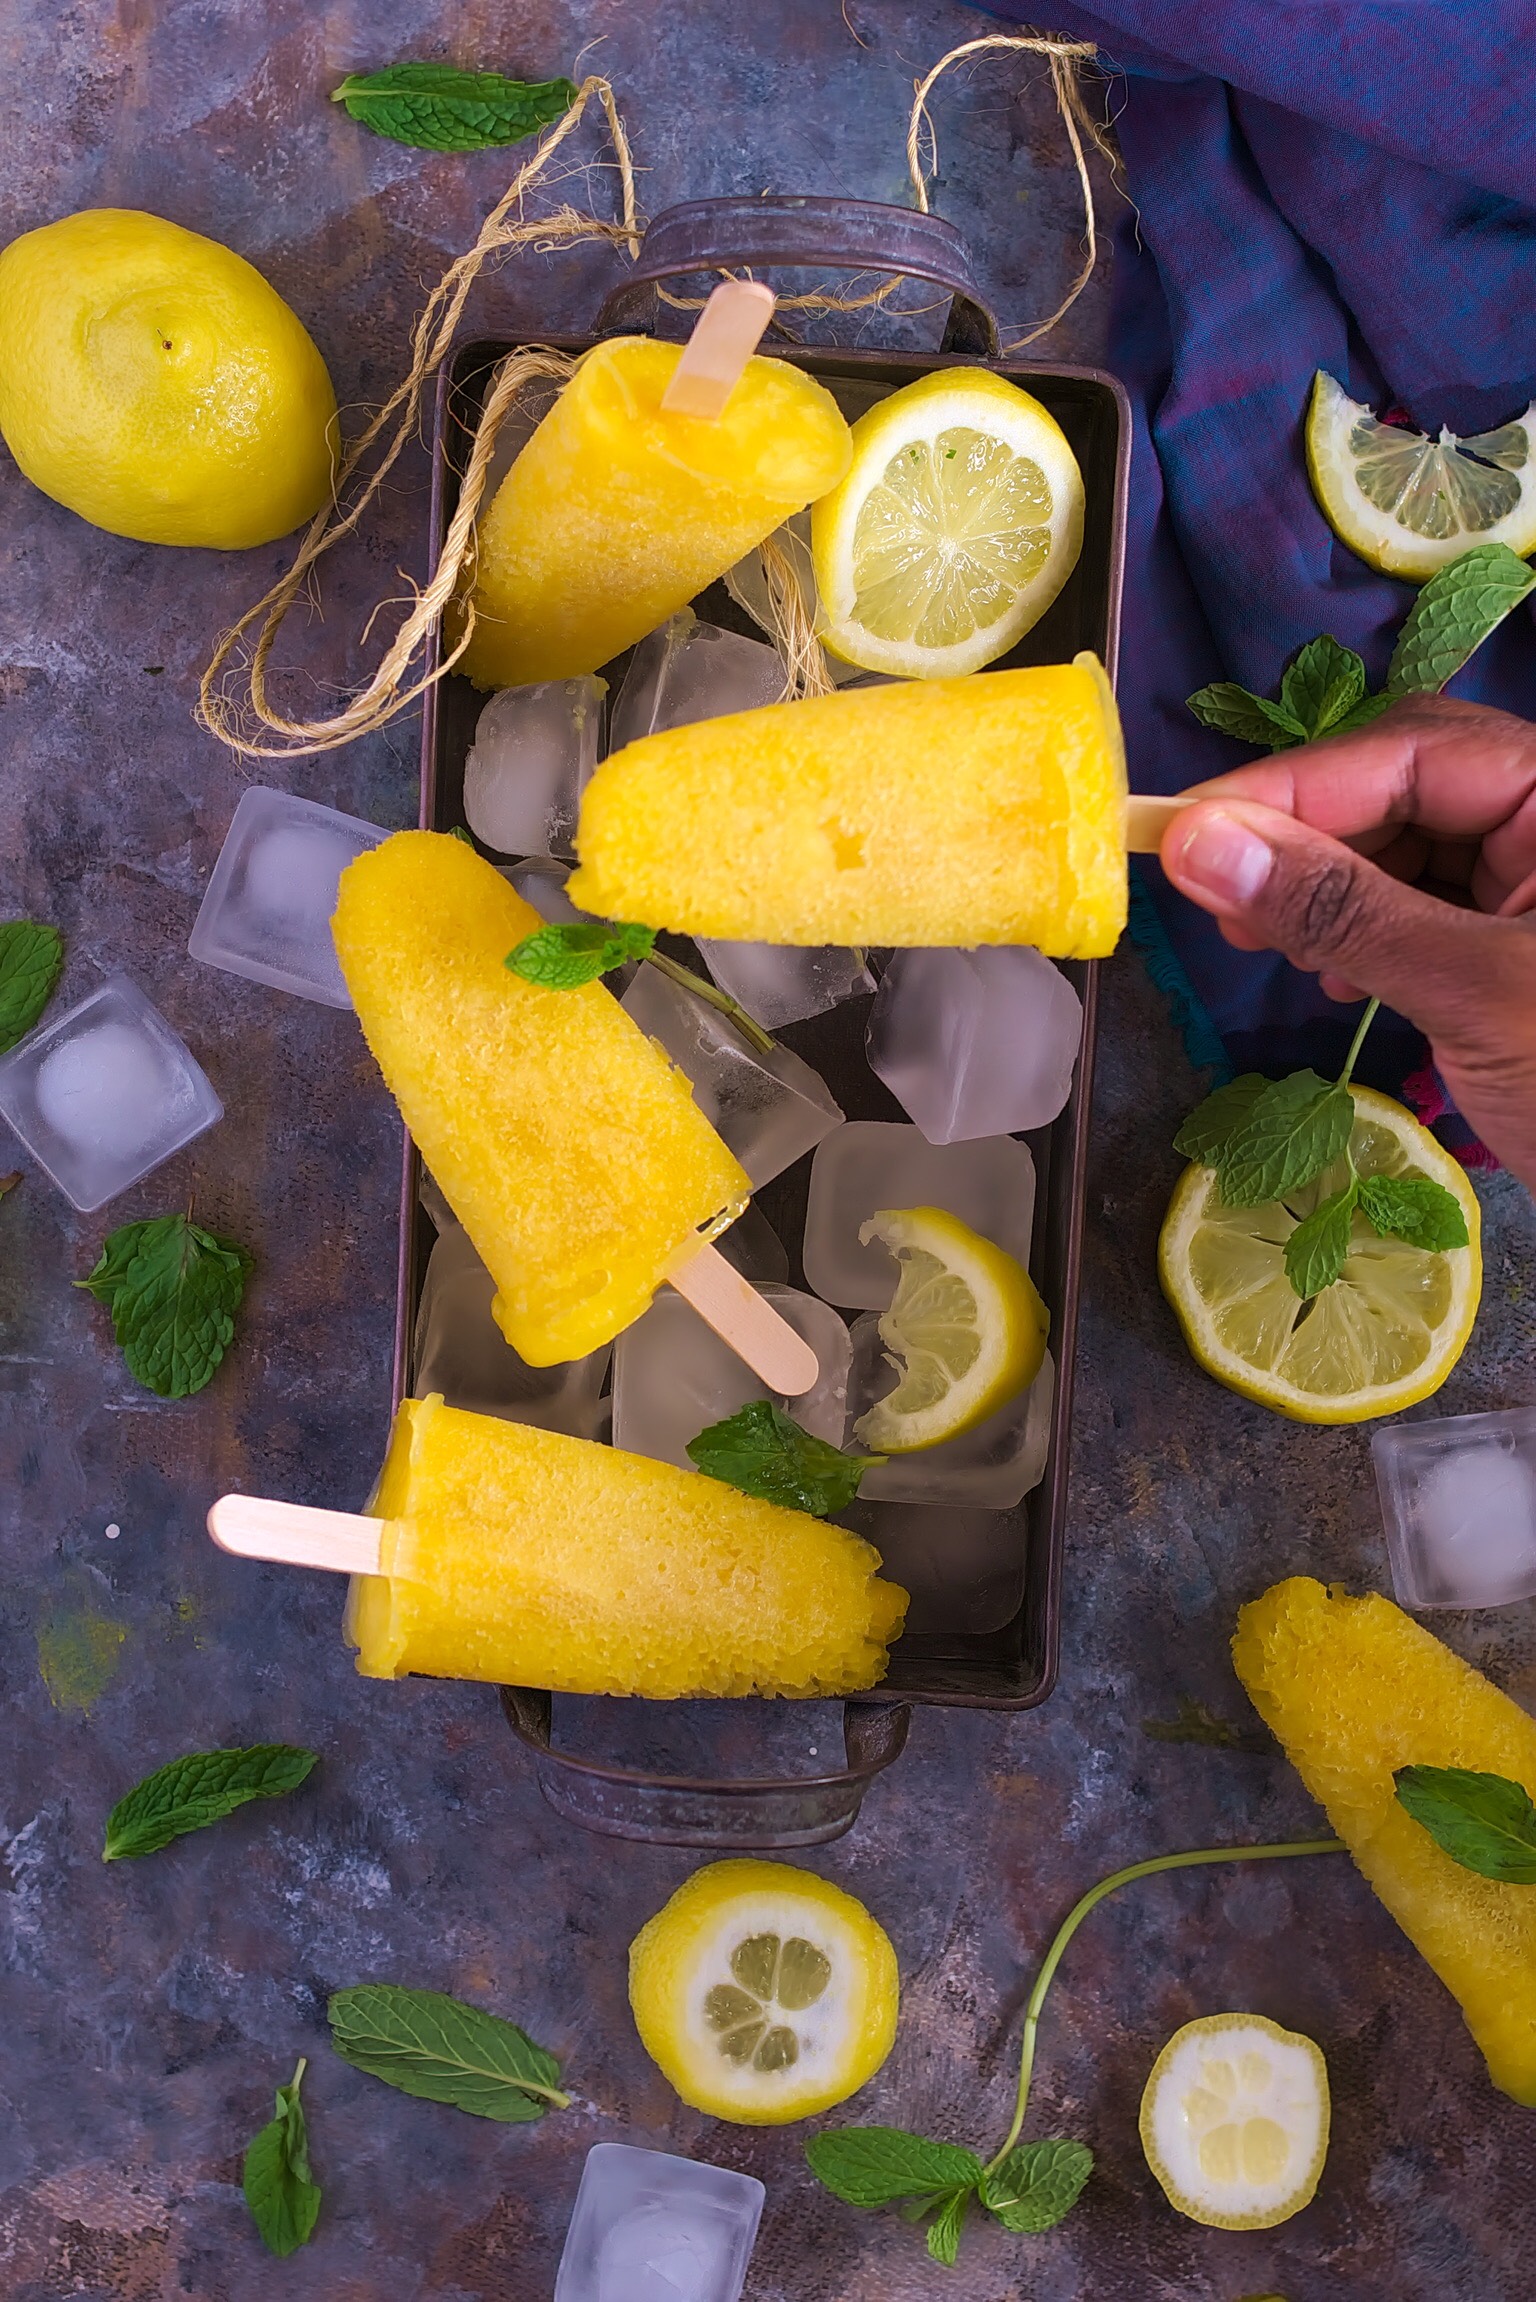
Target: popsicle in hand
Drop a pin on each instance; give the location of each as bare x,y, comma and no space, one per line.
962,811
516,1555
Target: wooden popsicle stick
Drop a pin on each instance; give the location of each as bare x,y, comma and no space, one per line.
295,1535
751,1326
726,334
1147,819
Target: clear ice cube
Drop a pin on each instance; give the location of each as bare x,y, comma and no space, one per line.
689,670
267,912
991,1468
104,1093
648,2227
533,753
779,983
1458,1497
673,1376
541,881
963,1570
975,1043
460,1351
768,1109
874,1163
753,1246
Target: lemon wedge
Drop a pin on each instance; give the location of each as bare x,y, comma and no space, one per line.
959,521
1234,2121
966,1330
763,1993
1383,1336
1408,504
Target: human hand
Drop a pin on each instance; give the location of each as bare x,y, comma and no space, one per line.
1329,854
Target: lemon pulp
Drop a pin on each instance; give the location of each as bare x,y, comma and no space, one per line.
1407,503
1234,2121
966,1330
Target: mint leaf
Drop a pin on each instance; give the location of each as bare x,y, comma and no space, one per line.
441,2050
1206,1132
574,951
1322,685
1037,2185
283,2199
1484,1822
1361,714
1296,1128
877,2165
173,1290
944,2231
765,1452
1233,710
1411,1207
116,1255
1198,1723
30,958
1453,615
203,1787
441,109
1315,1250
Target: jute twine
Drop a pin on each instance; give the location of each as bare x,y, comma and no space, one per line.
233,702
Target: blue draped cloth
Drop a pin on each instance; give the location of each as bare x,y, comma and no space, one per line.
1339,184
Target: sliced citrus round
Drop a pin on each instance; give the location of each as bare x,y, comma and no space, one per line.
1383,1336
1234,2121
959,521
1408,504
966,1330
763,1993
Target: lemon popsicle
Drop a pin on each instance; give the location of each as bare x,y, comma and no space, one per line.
990,809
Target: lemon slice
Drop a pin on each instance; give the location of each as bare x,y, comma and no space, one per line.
1407,503
763,1993
966,1330
1384,1336
958,523
1234,2121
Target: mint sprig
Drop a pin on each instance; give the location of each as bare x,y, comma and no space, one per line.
200,1788
283,2197
173,1290
31,956
765,1452
1484,1822
570,952
439,108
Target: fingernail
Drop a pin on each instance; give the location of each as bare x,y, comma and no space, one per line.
1225,858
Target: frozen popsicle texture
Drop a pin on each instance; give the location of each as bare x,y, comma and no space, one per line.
1355,1689
566,1144
530,1559
616,512
929,812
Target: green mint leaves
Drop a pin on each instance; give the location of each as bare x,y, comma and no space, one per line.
194,1791
1030,2188
1322,693
1482,1821
439,108
173,1290
571,952
1413,1208
441,2050
1037,2184
765,1452
283,2199
1198,1723
1316,1249
31,956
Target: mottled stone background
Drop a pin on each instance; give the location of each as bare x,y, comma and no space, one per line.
150,2009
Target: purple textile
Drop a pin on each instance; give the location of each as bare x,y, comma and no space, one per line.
1339,184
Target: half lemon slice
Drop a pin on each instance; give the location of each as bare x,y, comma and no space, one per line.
966,1330
1234,2121
1408,504
959,521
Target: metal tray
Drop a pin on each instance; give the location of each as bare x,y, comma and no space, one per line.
1013,1665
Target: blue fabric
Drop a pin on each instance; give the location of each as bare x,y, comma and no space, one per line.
1339,184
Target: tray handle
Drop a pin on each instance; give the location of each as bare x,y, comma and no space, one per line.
676,1810
790,228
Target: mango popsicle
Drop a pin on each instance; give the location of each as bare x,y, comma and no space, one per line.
617,511
990,809
564,1141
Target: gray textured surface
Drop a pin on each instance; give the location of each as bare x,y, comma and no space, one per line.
150,2009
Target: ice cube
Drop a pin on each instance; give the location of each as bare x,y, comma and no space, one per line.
267,912
769,1108
1458,1495
541,881
534,750
962,1569
460,1351
779,983
753,1246
104,1093
975,1043
648,2227
992,1467
673,1376
874,1163
689,670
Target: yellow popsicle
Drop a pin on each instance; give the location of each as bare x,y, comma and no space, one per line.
959,811
530,1559
617,512
1355,1689
567,1145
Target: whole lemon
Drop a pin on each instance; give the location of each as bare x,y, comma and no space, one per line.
151,380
